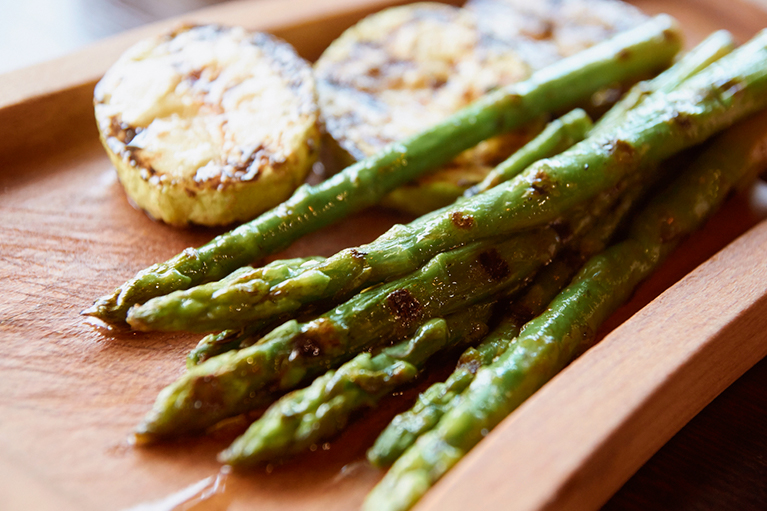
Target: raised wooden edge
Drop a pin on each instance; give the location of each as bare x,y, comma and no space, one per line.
609,411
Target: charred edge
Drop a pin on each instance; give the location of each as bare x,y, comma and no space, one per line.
541,183
356,254
315,340
493,264
122,131
462,221
624,55
404,305
622,151
258,153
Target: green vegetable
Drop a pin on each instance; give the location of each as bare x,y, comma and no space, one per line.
629,55
233,303
438,399
662,125
431,405
547,343
291,354
714,47
558,135
246,281
312,415
658,127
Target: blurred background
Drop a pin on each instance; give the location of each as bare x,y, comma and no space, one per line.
34,31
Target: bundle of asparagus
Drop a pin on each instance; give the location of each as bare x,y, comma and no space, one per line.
438,282
627,57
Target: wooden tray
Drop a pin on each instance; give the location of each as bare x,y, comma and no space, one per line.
70,395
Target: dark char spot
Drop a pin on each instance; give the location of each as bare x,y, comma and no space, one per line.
541,183
404,305
622,151
316,339
307,347
683,121
472,365
493,264
668,231
624,54
462,221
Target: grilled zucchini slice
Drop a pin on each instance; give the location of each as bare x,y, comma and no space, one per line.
209,125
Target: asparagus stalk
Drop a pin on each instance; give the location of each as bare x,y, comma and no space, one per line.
627,56
559,135
547,343
312,415
714,47
709,101
292,353
660,126
441,397
555,138
226,303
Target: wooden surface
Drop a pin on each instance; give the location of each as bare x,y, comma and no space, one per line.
70,395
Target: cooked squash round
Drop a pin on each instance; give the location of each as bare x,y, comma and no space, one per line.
209,125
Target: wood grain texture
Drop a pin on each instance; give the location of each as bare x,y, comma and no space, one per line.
71,393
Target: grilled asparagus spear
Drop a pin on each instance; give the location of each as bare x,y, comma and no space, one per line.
547,343
231,303
438,399
663,124
540,194
629,55
314,414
